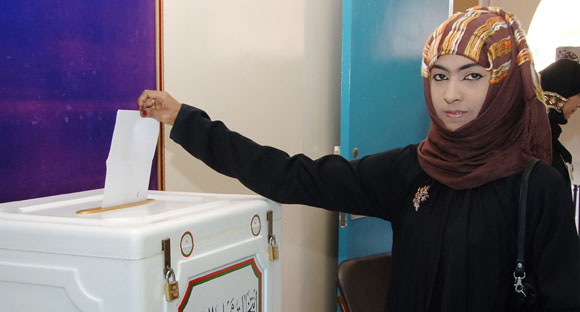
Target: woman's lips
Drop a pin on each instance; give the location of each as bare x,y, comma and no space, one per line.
455,113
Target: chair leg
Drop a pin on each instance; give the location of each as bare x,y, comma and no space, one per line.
341,303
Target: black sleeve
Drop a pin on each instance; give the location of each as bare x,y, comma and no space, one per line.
555,244
556,119
330,182
560,155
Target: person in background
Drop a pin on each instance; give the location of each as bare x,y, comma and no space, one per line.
561,84
452,199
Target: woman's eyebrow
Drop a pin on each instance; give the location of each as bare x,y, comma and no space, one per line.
466,66
440,67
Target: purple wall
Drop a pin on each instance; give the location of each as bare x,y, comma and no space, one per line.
66,66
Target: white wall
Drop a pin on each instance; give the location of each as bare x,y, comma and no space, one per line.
271,71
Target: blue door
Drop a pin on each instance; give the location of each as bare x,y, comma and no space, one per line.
382,103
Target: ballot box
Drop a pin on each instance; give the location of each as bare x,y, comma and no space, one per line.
173,252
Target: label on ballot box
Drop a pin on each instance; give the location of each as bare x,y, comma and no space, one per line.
239,283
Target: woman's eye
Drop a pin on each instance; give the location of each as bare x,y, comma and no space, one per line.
439,77
473,76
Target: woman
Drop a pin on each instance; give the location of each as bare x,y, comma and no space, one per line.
452,199
561,84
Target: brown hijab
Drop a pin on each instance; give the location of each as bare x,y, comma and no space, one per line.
512,126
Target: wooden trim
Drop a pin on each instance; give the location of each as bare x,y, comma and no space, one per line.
160,87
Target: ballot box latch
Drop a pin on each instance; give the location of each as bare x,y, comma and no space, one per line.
171,284
273,251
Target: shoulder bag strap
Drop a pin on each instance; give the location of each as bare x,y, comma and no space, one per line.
520,271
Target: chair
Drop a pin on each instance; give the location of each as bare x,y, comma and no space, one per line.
364,282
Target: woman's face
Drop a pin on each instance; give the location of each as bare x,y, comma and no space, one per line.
458,89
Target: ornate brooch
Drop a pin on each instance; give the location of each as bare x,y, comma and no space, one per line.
421,196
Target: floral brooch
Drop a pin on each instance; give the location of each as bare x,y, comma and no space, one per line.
421,196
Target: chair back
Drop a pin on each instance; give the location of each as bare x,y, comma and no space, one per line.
364,282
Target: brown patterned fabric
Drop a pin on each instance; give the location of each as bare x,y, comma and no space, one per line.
512,126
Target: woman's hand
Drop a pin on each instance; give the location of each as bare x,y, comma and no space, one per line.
159,105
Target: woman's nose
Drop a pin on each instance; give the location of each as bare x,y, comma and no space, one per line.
452,93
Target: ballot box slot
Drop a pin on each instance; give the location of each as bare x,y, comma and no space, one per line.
103,209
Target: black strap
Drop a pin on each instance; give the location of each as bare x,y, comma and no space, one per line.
521,234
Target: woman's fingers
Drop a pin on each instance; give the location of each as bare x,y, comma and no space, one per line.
148,99
159,105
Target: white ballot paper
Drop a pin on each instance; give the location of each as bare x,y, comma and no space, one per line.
130,158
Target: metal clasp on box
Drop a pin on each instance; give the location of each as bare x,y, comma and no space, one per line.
171,284
273,252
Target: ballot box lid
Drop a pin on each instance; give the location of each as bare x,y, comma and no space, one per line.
54,225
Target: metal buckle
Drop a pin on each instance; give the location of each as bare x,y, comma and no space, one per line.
518,285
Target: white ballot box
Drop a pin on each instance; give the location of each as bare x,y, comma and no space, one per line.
173,252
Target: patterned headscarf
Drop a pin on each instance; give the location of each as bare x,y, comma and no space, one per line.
512,126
